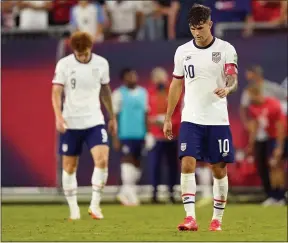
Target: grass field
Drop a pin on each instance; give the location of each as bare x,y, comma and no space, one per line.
144,223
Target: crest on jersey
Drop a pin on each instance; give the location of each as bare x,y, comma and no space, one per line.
64,147
216,57
183,146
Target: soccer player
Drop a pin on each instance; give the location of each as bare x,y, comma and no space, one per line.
130,103
83,78
266,113
208,67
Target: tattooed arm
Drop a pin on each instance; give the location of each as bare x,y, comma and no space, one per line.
231,81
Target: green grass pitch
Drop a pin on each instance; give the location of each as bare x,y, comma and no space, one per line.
144,223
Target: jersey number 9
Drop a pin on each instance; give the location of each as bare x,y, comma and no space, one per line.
73,83
189,71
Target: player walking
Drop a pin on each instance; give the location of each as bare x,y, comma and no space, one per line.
84,78
208,66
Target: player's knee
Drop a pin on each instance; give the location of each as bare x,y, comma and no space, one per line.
188,165
69,166
219,170
101,161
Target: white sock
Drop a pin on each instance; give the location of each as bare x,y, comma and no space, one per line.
69,184
205,180
220,191
188,189
130,174
98,181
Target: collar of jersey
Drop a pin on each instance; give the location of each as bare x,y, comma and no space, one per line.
84,62
204,47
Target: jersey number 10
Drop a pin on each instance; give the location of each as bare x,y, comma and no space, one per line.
189,71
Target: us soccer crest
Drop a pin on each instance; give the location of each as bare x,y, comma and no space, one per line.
216,57
183,146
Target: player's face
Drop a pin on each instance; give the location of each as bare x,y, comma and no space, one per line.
202,31
160,78
255,97
83,56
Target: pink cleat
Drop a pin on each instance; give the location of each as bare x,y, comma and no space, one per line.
189,224
215,225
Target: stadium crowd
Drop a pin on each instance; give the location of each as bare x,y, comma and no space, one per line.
141,20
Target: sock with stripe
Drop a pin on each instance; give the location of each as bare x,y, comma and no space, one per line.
98,181
69,184
220,192
188,190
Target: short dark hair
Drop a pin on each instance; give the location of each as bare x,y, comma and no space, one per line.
198,14
81,41
124,71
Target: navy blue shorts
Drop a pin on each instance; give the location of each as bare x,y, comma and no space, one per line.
71,142
132,147
207,143
272,144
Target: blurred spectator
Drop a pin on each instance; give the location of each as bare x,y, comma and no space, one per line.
126,19
161,147
265,112
255,74
270,11
34,14
178,21
60,13
163,7
88,17
154,24
152,28
8,14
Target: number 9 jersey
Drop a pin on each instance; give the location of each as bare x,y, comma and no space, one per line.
82,83
203,69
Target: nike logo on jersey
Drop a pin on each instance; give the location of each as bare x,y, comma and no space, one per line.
187,58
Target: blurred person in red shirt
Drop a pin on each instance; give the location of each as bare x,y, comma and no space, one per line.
60,13
267,113
270,11
156,141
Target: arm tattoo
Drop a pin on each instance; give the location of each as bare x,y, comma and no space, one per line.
232,82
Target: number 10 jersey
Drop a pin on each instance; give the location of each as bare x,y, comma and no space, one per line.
202,68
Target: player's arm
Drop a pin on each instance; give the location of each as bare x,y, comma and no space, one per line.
105,94
252,127
117,103
231,77
57,92
174,95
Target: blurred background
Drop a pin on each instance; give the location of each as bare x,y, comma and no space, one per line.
141,35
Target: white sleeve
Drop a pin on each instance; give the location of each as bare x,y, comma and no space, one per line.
139,6
105,79
116,101
231,55
178,65
245,100
59,75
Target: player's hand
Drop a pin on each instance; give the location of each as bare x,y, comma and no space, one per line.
167,129
112,127
61,125
221,92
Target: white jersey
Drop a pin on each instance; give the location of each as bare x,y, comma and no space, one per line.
82,83
203,71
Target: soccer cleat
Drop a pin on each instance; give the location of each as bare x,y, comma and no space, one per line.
74,214
189,224
269,202
124,200
215,225
96,213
